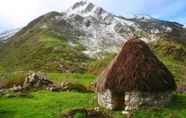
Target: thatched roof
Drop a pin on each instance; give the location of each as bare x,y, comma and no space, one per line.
136,68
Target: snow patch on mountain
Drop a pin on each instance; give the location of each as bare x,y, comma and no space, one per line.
4,36
101,31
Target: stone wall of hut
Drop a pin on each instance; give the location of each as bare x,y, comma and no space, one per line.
135,99
105,99
132,100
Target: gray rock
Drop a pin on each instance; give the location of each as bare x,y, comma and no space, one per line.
16,88
54,88
37,80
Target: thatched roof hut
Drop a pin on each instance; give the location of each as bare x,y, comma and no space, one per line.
136,68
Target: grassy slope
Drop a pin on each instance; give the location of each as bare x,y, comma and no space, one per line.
173,55
84,79
177,109
44,104
47,105
43,52
1,44
34,48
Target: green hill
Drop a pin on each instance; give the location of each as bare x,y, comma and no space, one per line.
45,45
35,48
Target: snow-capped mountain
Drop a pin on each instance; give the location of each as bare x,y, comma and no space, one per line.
4,36
83,33
101,31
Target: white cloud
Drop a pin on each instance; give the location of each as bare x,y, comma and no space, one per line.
17,13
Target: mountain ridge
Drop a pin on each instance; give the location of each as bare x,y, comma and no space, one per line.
4,36
70,40
118,28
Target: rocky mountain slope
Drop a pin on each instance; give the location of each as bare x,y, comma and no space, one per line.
4,36
83,33
7,34
101,31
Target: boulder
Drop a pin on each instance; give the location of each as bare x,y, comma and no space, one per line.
37,80
16,88
127,114
2,91
54,88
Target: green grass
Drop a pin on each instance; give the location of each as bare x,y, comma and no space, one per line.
84,79
44,104
34,48
97,66
177,109
44,52
177,68
173,55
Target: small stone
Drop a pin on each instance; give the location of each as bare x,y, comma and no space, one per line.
53,88
97,109
127,114
17,88
10,95
1,90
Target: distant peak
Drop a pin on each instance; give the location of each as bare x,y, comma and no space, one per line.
82,6
85,8
79,4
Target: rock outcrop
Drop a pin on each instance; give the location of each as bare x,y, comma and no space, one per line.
37,80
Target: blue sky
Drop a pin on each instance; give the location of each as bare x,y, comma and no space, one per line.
17,13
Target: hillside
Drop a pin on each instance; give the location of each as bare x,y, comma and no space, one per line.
7,34
41,49
82,36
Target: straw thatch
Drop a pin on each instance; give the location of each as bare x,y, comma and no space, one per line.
136,68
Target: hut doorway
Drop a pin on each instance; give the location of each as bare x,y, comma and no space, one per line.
118,101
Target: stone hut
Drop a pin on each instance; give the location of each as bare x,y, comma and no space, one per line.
134,78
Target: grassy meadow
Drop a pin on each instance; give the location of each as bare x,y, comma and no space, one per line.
45,104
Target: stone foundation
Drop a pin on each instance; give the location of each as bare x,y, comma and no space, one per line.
135,99
110,101
132,100
105,99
